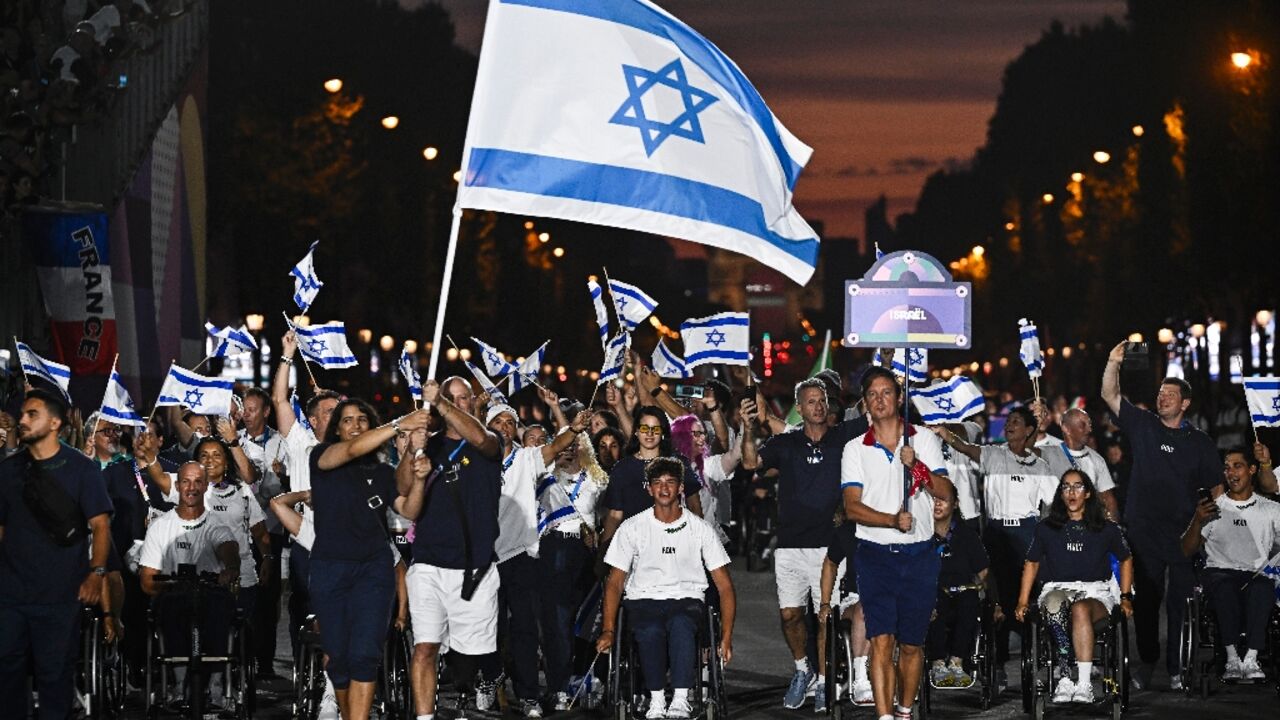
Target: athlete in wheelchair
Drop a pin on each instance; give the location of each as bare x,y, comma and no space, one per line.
843,646
1237,532
190,565
661,558
1080,605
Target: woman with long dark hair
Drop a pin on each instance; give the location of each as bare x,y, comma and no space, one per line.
628,492
689,438
1071,554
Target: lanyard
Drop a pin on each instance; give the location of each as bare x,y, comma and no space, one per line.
1070,458
506,464
142,486
577,486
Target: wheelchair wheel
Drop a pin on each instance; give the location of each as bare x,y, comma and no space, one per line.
1189,644
716,701
1034,693
397,659
621,679
240,674
985,667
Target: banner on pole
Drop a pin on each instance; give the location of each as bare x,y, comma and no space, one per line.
907,299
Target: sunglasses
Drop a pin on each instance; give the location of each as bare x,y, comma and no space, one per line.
1071,488
649,429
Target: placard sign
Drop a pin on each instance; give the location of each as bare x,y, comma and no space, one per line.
907,299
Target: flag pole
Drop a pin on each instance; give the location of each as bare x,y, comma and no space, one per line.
172,362
97,422
314,385
446,281
906,438
201,363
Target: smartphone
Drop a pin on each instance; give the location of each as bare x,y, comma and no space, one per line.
690,391
1205,494
124,81
1137,355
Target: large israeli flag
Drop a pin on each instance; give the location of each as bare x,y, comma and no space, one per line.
616,113
326,344
33,365
1263,396
723,338
202,395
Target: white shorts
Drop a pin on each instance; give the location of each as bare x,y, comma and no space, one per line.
441,616
1106,592
798,575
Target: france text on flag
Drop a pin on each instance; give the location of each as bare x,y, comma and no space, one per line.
54,373
721,338
602,315
1029,348
667,364
632,304
305,283
949,401
71,252
298,415
117,406
911,363
494,362
495,395
615,358
1263,395
635,121
326,344
410,373
202,395
230,341
526,373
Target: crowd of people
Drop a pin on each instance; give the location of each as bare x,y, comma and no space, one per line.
506,545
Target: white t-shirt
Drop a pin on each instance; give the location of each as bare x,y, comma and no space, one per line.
964,475
518,504
1061,458
1245,534
665,561
263,458
237,508
104,23
297,457
559,491
172,541
869,465
713,475
1015,486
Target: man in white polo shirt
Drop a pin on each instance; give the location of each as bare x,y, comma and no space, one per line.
886,477
1073,451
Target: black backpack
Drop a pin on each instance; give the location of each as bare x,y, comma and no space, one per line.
57,513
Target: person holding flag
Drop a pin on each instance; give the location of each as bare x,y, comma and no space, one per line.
1262,394
896,563
1238,533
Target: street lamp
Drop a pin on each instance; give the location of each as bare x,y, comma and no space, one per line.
558,252
365,335
1047,198
254,322
1138,131
429,152
1077,177
386,343
390,122
1165,336
543,237
1242,60
411,346
333,85
1102,157
979,251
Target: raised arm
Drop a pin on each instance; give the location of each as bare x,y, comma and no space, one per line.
146,448
1193,538
227,431
649,385
1266,473
179,426
1111,379
957,443
284,504
750,454
280,398
613,398
417,468
563,440
553,401
341,453
461,422
718,422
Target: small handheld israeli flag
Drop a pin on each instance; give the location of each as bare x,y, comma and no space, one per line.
526,373
117,406
602,315
298,415
911,363
54,373
411,376
202,395
494,363
230,340
1263,396
326,344
632,304
1029,349
615,358
495,395
721,338
305,283
667,364
948,401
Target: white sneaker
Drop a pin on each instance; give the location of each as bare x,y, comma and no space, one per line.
657,710
1251,670
486,694
679,708
862,694
328,705
531,709
1066,691
1083,693
217,696
562,701
1232,670
1175,683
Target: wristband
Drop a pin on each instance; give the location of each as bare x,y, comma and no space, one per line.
153,462
1126,595
714,409
287,361
656,391
233,443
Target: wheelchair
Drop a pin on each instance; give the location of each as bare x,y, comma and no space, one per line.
394,694
1201,654
840,678
981,663
308,672
1111,656
237,663
627,697
100,679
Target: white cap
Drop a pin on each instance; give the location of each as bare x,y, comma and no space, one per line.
499,409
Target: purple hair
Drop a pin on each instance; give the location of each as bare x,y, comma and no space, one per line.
682,440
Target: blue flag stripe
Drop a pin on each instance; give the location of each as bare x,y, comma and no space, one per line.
627,187
1266,418
714,322
717,355
116,414
697,49
188,379
1267,384
644,301
566,510
958,414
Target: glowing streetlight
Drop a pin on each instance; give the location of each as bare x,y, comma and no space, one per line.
430,152
465,353
1135,337
979,251
544,237
1047,198
457,176
1009,226
365,335
254,322
302,321
1165,335
386,343
1077,177
1263,318
451,354
411,346
1197,330
390,122
558,252
1102,157
1241,60
528,224
1138,131
333,85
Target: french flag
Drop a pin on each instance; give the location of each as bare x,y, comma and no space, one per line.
74,268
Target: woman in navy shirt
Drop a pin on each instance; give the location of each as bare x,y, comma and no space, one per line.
1071,554
352,577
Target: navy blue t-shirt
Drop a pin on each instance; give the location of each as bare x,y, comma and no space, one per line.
1169,465
438,537
808,481
628,489
963,556
347,527
1073,554
844,546
128,523
34,570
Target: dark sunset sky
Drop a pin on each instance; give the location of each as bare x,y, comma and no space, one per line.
885,91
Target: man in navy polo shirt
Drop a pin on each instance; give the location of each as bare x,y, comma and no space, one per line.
896,560
1171,461
808,465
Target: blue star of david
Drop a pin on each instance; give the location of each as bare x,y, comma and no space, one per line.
653,132
193,398
128,403
1275,403
716,338
309,282
916,356
493,358
622,302
316,346
945,404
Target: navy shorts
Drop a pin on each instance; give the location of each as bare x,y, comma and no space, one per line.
897,587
